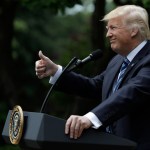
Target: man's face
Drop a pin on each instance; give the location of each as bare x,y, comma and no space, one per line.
119,36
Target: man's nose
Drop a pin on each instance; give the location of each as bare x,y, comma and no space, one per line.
109,33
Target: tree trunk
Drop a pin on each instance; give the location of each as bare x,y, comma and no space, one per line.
7,84
97,32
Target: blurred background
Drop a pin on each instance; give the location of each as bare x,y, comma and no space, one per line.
62,29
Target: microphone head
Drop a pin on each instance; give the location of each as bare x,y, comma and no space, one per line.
96,54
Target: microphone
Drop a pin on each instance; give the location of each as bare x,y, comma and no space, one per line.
93,56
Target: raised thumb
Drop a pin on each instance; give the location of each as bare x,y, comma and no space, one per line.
43,57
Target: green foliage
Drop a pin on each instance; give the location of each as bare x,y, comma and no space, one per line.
60,37
10,147
146,3
53,5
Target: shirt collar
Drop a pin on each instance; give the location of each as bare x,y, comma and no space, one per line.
133,53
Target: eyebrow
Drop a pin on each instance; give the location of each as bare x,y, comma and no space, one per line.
115,26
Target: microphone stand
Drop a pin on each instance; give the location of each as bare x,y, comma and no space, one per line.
72,62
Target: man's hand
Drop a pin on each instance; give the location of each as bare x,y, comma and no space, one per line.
76,124
45,67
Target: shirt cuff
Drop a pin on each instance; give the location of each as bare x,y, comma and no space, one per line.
93,118
54,78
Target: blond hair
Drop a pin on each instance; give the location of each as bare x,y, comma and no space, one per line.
133,16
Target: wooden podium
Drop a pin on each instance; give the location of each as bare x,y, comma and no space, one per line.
44,132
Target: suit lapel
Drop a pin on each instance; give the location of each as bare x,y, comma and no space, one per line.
111,75
144,51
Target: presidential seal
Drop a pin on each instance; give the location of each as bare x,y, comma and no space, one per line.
16,125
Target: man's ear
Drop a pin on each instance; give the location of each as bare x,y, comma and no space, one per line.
134,31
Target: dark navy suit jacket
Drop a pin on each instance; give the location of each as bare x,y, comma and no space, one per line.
128,109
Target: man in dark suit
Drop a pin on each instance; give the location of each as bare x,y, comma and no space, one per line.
125,93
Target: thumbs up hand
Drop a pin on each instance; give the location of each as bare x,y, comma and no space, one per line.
44,67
